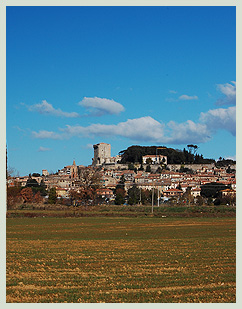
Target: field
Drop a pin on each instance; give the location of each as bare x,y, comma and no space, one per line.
114,259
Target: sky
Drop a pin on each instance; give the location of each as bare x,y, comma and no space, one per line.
78,76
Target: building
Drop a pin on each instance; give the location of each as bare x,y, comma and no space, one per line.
70,170
154,159
62,192
45,173
105,193
228,192
102,156
102,151
173,192
195,192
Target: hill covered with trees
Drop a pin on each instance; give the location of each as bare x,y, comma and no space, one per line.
133,154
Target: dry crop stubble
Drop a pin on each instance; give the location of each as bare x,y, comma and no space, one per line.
120,260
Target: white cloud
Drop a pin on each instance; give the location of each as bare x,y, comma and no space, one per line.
221,118
186,97
229,91
19,129
147,129
101,106
47,109
144,128
42,149
140,129
88,146
47,134
187,132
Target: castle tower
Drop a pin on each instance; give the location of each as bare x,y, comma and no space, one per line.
102,151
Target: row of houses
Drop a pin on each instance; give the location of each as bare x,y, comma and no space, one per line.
167,183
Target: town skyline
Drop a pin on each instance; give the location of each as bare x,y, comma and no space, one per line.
107,160
172,175
140,76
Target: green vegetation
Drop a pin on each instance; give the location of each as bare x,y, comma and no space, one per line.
157,260
225,162
52,196
212,189
31,210
134,154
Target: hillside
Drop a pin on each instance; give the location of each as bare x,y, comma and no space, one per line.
133,154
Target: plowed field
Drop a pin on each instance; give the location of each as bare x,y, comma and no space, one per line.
90,260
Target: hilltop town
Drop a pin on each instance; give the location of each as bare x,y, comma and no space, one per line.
108,180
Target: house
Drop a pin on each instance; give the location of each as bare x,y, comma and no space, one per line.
195,192
228,192
62,192
173,192
140,179
154,159
45,173
105,193
153,177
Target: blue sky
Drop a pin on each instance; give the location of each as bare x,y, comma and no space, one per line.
77,76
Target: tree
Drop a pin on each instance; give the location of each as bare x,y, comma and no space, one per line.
121,181
148,169
41,188
225,163
31,182
199,200
13,196
159,170
212,189
35,186
13,193
119,196
192,148
131,166
188,196
89,181
75,196
38,198
174,156
134,195
229,200
27,195
228,171
120,192
141,167
52,196
145,197
148,161
179,186
36,175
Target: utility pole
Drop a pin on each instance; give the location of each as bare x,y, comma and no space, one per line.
140,196
152,208
158,199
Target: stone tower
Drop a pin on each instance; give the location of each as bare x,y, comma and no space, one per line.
102,151
74,170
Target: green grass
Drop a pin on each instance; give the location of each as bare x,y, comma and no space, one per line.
121,260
